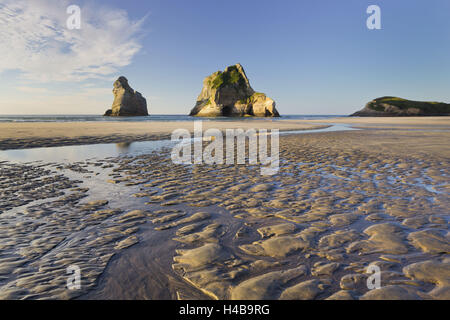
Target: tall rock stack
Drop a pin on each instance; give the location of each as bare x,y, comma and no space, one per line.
127,102
229,94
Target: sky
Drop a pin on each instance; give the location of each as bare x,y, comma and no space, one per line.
311,57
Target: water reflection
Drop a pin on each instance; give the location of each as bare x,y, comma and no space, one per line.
123,147
67,154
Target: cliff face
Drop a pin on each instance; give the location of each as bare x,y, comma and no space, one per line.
229,94
127,102
393,106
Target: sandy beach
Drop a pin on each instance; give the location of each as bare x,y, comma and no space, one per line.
294,150
140,227
44,134
392,122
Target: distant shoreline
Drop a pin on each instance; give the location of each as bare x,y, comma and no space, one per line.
150,118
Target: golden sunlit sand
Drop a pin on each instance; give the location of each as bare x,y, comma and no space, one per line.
44,134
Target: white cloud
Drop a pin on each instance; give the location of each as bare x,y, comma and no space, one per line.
36,41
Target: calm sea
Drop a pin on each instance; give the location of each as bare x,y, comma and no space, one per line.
153,117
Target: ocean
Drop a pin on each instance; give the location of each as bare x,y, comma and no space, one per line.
153,117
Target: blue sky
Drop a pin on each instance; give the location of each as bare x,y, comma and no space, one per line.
311,57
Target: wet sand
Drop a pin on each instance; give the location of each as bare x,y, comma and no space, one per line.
140,227
434,123
20,135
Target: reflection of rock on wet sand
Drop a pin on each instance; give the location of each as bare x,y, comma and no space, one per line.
123,147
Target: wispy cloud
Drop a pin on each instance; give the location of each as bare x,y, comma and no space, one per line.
35,40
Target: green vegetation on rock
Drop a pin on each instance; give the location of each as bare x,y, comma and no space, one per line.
403,104
252,98
231,76
394,106
228,93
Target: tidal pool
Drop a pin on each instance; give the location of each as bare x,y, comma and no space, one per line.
101,151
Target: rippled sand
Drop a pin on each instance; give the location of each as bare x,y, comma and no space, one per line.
143,228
